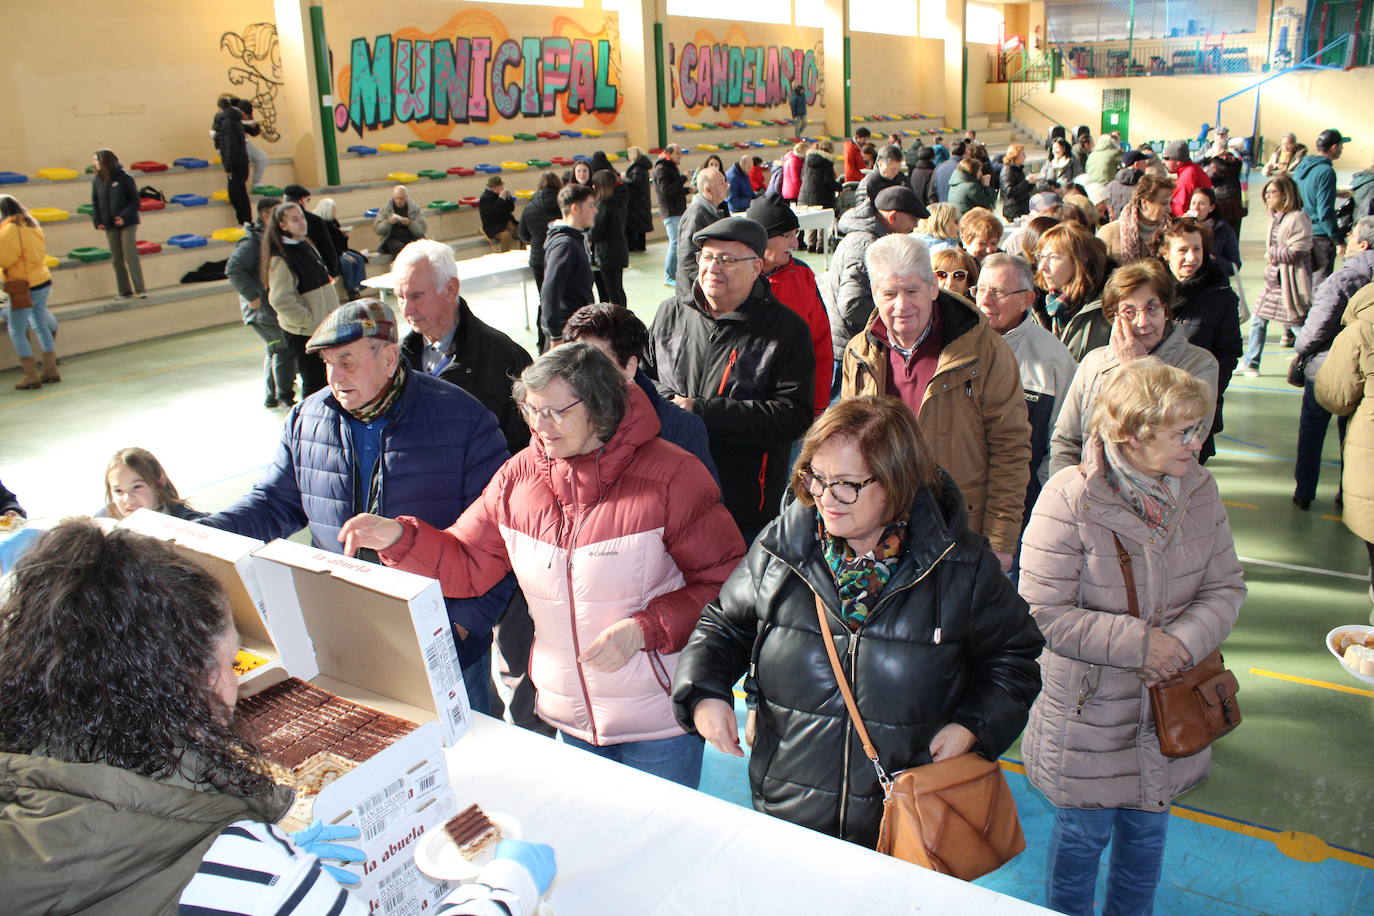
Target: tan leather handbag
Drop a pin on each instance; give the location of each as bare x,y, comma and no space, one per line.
1194,707
956,817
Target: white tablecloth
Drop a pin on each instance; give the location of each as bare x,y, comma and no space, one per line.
630,843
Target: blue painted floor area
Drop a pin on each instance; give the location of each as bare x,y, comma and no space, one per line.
1207,870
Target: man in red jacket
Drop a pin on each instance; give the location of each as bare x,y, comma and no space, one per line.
853,155
1188,176
793,283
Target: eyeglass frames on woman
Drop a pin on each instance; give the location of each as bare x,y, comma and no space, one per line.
1188,436
955,274
844,491
553,415
1130,313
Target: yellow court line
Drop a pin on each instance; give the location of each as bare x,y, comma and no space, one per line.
128,378
1311,683
1334,518
1239,505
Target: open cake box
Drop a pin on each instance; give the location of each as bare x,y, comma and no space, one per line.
372,635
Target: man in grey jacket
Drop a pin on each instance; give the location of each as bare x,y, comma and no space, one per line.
1320,328
279,365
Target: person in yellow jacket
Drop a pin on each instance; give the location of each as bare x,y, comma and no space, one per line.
22,255
1340,387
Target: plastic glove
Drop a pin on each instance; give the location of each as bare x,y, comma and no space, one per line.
315,840
535,858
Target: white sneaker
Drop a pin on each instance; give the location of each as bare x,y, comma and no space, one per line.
1250,372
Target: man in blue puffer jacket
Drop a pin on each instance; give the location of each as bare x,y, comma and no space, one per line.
387,440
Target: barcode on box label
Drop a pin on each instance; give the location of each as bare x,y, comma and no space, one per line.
428,782
375,811
456,716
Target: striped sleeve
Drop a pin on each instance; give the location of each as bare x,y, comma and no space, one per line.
252,869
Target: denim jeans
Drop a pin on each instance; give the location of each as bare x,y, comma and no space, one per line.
1080,835
354,270
675,759
670,265
37,317
1254,343
475,679
1313,422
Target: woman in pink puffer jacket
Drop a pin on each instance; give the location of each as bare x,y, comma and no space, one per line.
1090,746
618,540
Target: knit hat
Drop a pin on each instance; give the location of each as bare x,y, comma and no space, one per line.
354,321
735,229
1177,149
772,213
901,199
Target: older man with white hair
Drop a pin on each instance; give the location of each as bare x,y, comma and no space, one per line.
449,342
386,439
927,347
705,209
398,222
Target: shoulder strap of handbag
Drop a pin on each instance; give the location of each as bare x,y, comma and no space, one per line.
1124,558
869,750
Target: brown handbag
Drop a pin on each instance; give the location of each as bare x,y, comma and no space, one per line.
956,817
17,288
1194,707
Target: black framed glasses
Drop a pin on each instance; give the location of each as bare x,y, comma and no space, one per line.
553,415
844,491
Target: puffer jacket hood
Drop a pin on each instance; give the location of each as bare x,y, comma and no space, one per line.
94,839
1104,142
948,641
632,530
1091,740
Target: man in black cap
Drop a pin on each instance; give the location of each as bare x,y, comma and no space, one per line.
895,210
315,229
1316,178
380,438
793,283
1120,188
736,357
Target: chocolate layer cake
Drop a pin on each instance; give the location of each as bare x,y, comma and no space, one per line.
473,831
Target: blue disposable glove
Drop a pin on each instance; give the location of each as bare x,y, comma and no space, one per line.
315,840
535,858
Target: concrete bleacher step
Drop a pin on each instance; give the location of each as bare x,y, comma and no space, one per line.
355,168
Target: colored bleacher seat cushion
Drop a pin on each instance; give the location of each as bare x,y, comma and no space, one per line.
150,203
449,142
12,178
149,165
188,240
190,200
145,246
359,149
89,253
191,162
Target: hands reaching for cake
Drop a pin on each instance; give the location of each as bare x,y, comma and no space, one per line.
715,721
371,531
316,840
616,645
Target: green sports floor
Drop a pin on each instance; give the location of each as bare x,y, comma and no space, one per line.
1284,826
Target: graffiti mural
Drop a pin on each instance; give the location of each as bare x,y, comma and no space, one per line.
259,55
709,74
473,70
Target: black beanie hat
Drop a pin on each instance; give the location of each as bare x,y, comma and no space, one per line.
772,213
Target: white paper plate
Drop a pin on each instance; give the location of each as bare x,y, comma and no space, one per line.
1364,631
437,855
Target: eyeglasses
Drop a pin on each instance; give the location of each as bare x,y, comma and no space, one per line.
844,491
952,274
992,292
1187,436
724,260
1131,313
554,415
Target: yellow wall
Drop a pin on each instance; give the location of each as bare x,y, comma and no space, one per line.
1165,108
759,92
564,69
142,85
893,73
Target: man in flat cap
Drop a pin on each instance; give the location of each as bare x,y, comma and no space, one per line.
380,438
732,354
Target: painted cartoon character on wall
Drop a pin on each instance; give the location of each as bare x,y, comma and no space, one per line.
259,54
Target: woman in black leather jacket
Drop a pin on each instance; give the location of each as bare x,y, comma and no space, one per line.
938,648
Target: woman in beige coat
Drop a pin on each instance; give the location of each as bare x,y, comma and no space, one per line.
298,287
1340,387
1287,292
1138,303
1091,746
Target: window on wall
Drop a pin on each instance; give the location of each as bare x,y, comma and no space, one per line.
887,17
983,24
777,12
1069,21
932,18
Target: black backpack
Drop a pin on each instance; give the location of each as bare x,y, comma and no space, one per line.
152,193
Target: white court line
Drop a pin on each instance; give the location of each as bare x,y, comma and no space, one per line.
1306,569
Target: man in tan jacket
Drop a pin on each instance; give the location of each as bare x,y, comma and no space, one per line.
957,375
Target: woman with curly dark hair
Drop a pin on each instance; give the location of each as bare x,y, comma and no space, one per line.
124,786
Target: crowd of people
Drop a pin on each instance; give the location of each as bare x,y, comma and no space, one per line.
947,453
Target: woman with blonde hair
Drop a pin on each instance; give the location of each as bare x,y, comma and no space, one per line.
1136,499
939,230
1128,238
1287,292
792,164
1016,189
956,271
1071,268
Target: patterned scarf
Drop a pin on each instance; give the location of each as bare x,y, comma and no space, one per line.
1154,499
861,579
384,399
